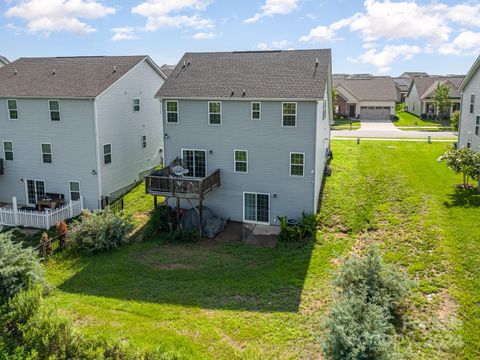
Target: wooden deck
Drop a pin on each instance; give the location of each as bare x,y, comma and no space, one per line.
180,187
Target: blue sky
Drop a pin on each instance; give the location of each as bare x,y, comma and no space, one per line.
380,37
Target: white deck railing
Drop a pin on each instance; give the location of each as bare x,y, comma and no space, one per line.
40,219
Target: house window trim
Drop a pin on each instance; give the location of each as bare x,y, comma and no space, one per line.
5,152
206,162
241,161
269,208
477,125
259,111
133,105
70,189
209,113
296,114
59,111
42,153
173,112
110,153
16,109
472,103
290,164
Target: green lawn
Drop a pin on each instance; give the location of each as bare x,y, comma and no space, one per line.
226,301
344,124
407,119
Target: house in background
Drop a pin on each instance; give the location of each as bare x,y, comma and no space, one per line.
72,126
419,99
469,127
167,69
252,129
367,98
3,61
402,84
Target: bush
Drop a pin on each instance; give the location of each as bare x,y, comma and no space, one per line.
161,220
306,228
28,330
369,277
455,121
463,161
20,268
358,330
424,116
101,230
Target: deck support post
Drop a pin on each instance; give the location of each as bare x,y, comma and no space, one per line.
201,217
178,212
154,201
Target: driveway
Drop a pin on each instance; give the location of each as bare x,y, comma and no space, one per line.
386,129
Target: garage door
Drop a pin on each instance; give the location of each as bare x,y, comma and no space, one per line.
375,112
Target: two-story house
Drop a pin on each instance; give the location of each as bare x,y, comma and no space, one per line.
74,126
469,127
252,129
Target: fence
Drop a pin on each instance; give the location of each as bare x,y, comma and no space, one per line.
39,219
114,203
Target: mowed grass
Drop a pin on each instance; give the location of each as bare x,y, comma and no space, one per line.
344,124
225,301
407,119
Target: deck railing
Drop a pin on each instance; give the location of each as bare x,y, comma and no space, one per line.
182,187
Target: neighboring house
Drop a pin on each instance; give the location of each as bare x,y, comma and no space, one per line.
371,98
3,61
469,128
402,84
167,69
262,118
413,74
76,126
420,96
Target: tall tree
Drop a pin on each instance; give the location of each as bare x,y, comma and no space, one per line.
442,100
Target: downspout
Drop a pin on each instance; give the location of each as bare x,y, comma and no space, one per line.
97,151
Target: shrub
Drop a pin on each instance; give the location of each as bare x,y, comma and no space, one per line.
369,277
358,330
306,228
20,268
160,221
45,245
62,231
101,230
424,116
463,161
455,120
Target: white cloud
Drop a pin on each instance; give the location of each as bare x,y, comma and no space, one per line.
274,7
319,34
275,45
124,33
165,13
48,16
466,43
205,35
465,14
384,58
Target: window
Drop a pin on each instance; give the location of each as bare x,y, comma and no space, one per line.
172,112
54,107
256,110
8,150
35,191
214,112
477,126
469,140
256,208
241,161
289,114
107,154
144,141
12,109
297,164
136,104
196,162
472,103
47,157
74,190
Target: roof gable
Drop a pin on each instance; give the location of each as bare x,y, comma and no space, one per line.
291,74
471,73
373,89
84,77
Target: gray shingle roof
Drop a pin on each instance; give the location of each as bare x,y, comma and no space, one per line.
80,76
290,74
374,89
426,85
167,69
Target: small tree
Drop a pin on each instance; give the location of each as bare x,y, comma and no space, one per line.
442,100
46,245
455,121
463,161
62,231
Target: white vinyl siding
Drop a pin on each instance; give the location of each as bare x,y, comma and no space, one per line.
12,109
297,164
107,154
240,161
47,155
289,114
256,208
172,111
256,110
215,113
477,125
54,108
8,150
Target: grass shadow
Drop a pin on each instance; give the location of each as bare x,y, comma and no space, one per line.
464,198
206,275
